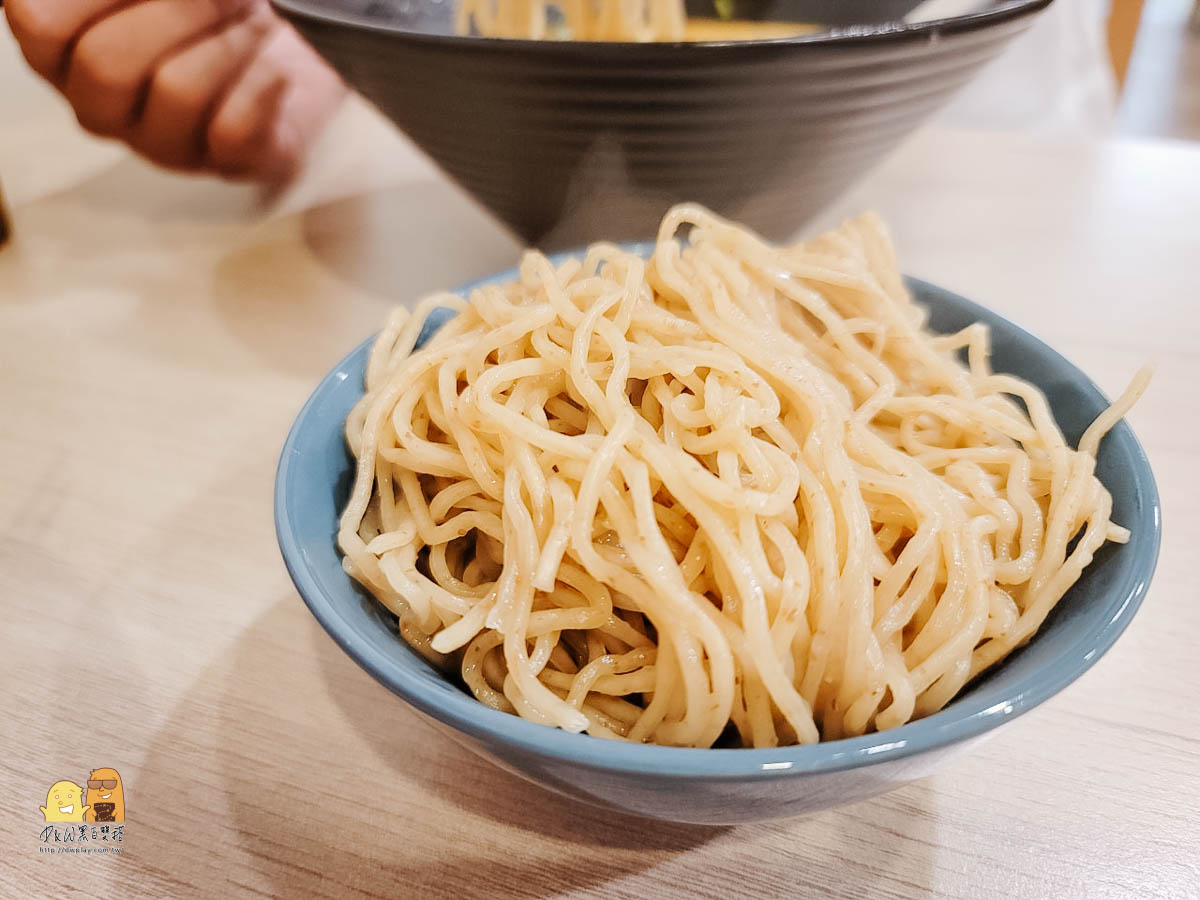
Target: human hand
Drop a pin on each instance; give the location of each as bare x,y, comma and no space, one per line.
203,85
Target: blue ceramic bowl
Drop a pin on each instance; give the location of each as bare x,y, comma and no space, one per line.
732,785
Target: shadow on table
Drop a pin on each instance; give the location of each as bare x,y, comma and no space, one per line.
131,186
300,293
238,289
305,760
478,786
331,786
403,242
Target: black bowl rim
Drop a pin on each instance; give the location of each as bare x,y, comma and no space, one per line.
1006,10
961,720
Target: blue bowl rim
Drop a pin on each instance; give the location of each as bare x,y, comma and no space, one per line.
1006,10
960,720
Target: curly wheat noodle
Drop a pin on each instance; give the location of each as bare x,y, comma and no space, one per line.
730,486
582,20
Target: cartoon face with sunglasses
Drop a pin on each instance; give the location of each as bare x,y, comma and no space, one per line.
106,796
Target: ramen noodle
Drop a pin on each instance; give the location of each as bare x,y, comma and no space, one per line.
732,492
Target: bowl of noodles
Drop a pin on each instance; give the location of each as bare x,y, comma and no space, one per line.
584,119
713,530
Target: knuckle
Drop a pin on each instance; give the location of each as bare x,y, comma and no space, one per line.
102,89
174,148
174,157
176,90
31,19
251,153
22,16
95,121
42,35
231,140
93,125
94,66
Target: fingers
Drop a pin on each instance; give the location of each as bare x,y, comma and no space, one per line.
241,138
223,85
46,29
186,89
273,111
111,65
317,89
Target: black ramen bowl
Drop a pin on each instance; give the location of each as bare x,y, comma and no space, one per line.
568,141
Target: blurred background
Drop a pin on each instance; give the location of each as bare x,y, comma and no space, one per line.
1094,66
1161,91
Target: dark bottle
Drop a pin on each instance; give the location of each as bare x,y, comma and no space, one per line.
4,226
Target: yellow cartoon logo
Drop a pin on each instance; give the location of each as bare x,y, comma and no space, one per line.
105,796
79,822
64,802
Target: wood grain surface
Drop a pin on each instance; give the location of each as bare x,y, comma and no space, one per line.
157,336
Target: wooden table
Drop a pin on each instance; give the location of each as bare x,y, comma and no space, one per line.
158,334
